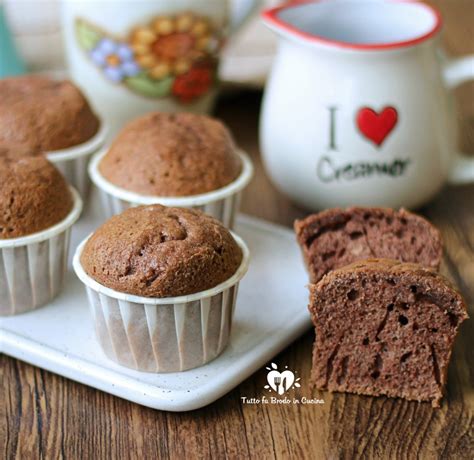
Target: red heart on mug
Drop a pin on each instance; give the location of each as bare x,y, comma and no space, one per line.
376,126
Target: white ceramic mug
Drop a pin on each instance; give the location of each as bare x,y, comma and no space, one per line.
137,56
357,109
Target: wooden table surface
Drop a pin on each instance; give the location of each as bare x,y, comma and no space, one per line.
47,416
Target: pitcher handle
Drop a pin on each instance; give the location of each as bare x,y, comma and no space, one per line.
243,15
456,72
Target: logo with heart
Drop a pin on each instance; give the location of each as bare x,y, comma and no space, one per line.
376,126
281,382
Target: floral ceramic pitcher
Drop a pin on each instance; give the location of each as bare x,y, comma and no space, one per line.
132,57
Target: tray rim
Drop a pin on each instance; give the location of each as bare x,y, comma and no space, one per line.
149,395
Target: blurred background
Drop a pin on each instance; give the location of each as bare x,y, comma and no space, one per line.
246,59
36,29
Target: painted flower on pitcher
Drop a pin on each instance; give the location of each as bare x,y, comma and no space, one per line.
116,59
172,45
194,83
171,56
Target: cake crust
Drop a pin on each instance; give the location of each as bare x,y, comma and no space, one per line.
43,114
338,237
156,251
164,154
384,327
33,196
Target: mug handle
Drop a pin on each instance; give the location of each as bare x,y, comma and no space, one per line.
244,13
456,72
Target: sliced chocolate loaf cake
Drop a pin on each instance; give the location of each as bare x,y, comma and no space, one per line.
384,328
337,237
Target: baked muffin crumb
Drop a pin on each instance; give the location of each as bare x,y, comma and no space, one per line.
33,196
44,114
166,154
337,237
384,328
156,251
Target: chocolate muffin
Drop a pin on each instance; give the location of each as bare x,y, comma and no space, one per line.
155,251
384,328
164,154
43,114
337,237
33,196
12,151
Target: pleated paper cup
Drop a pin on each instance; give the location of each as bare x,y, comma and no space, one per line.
73,161
222,204
32,267
169,334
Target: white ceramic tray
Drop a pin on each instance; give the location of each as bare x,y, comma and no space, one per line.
271,313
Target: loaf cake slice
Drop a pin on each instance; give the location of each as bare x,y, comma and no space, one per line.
384,328
337,237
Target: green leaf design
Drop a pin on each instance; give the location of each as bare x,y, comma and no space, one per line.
147,86
87,35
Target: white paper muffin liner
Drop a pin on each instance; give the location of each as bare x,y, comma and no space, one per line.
222,204
73,161
163,334
32,267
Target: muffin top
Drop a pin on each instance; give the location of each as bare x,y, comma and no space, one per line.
156,251
44,114
166,154
12,151
33,196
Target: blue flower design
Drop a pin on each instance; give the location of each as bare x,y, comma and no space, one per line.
115,58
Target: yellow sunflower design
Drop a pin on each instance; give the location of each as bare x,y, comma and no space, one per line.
172,56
